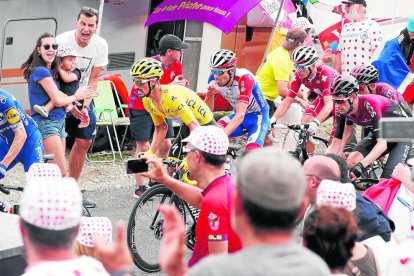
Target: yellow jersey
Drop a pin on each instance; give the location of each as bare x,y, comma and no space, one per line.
179,101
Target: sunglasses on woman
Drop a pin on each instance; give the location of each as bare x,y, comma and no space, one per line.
47,46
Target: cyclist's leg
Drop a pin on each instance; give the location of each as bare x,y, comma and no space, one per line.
398,153
32,151
166,143
257,126
362,149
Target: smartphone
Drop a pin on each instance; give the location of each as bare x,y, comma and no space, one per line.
136,165
397,129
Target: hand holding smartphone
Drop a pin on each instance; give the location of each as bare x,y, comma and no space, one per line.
136,165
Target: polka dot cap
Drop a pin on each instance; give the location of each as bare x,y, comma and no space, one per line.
51,204
94,225
210,139
66,51
43,170
336,194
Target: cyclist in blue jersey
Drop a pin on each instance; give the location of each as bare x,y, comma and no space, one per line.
20,141
241,89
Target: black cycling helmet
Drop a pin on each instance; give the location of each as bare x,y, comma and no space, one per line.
344,86
365,74
304,56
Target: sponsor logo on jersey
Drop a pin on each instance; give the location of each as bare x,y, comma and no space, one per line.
13,115
364,35
3,99
214,221
370,109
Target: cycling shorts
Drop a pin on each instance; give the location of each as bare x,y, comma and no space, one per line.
256,125
398,152
31,152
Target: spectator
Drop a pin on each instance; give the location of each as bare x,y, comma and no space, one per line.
94,52
304,24
331,233
266,203
359,38
41,70
406,40
170,52
89,226
206,151
274,76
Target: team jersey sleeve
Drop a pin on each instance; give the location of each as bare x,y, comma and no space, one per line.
326,78
294,86
155,118
11,112
179,104
376,114
216,216
246,84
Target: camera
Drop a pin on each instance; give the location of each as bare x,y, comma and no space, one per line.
136,165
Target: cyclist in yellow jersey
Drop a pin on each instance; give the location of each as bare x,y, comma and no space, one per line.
168,101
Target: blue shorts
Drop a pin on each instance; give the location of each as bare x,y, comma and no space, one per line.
256,125
32,151
73,130
48,128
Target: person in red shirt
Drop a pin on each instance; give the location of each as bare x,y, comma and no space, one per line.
206,153
170,51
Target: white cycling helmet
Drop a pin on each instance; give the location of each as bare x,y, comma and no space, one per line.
223,59
304,56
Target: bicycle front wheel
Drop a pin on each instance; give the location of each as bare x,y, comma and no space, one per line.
145,227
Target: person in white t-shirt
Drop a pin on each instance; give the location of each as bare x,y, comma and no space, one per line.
93,56
359,38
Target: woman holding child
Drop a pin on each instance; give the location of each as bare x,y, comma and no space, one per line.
41,71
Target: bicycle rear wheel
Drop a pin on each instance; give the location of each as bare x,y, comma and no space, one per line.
145,226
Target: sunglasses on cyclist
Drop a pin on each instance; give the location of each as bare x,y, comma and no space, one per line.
140,82
340,101
89,10
47,46
300,67
218,72
188,149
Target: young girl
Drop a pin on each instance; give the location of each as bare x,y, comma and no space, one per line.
69,77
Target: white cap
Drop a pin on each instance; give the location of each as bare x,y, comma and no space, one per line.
336,194
302,23
64,51
210,139
51,204
94,225
43,170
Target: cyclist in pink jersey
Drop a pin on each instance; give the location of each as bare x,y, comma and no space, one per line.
366,111
367,77
316,78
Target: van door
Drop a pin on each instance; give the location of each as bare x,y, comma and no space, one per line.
18,41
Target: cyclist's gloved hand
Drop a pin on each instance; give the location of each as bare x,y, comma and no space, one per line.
273,121
313,126
3,171
144,153
357,169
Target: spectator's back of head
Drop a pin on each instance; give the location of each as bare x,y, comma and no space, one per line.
51,210
343,167
271,184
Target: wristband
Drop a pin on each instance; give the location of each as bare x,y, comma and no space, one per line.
317,121
122,272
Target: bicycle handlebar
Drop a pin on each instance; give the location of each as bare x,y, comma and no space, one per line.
294,127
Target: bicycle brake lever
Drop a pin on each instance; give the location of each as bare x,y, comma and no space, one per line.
4,190
313,140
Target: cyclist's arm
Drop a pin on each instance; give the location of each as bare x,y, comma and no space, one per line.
346,137
283,107
218,247
20,137
338,62
209,100
283,88
238,118
326,109
375,153
160,131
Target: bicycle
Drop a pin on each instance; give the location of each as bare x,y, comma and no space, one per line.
14,209
145,225
302,136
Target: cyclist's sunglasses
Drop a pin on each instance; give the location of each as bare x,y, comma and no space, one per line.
47,46
140,82
300,67
89,10
340,101
218,72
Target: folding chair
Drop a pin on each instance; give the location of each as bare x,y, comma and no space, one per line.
107,116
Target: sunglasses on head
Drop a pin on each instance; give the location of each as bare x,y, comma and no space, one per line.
340,101
47,46
140,82
89,10
218,72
